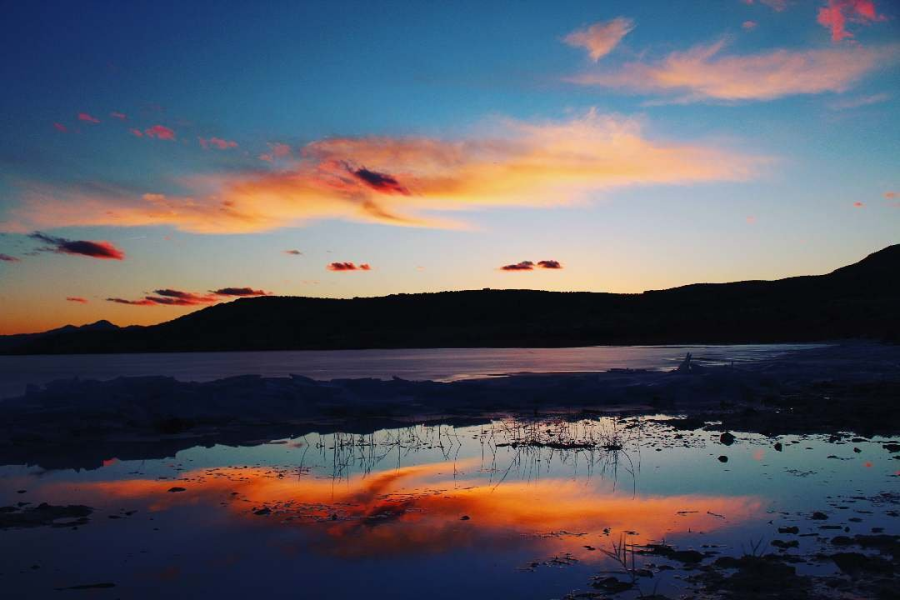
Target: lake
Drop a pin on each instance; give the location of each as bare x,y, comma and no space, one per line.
444,364
502,509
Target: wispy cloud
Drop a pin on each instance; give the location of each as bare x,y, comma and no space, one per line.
348,266
160,132
293,252
118,115
218,143
401,180
77,299
527,265
776,5
838,13
749,25
88,118
858,101
60,127
8,258
705,73
240,291
171,297
102,250
600,38
276,150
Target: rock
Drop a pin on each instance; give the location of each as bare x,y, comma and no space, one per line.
791,530
612,585
818,516
723,459
727,438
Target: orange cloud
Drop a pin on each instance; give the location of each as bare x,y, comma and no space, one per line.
891,195
838,13
703,73
77,299
600,38
401,180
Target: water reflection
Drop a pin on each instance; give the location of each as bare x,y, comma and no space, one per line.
424,508
434,502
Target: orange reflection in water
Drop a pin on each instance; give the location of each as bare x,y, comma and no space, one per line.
423,509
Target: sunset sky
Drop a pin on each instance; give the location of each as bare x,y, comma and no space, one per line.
157,157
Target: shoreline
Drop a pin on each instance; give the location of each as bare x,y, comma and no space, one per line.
849,387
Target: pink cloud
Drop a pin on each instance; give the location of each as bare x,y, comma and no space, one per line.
838,13
600,38
118,115
160,132
217,143
87,118
703,72
749,25
136,132
858,204
60,127
77,299
276,150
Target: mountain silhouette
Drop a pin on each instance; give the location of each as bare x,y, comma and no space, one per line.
859,300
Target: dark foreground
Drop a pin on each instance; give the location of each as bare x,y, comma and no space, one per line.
775,479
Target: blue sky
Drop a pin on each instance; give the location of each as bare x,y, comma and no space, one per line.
708,142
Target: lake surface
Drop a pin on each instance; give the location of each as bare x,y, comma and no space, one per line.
16,372
481,511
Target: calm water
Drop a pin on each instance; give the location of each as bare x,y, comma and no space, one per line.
16,372
437,511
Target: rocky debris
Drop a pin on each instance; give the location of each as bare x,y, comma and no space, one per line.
44,515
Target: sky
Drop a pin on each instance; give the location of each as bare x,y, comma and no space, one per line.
160,157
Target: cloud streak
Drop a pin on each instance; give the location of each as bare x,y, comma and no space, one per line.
8,258
160,132
240,291
348,266
528,265
76,299
704,72
600,38
217,143
101,250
